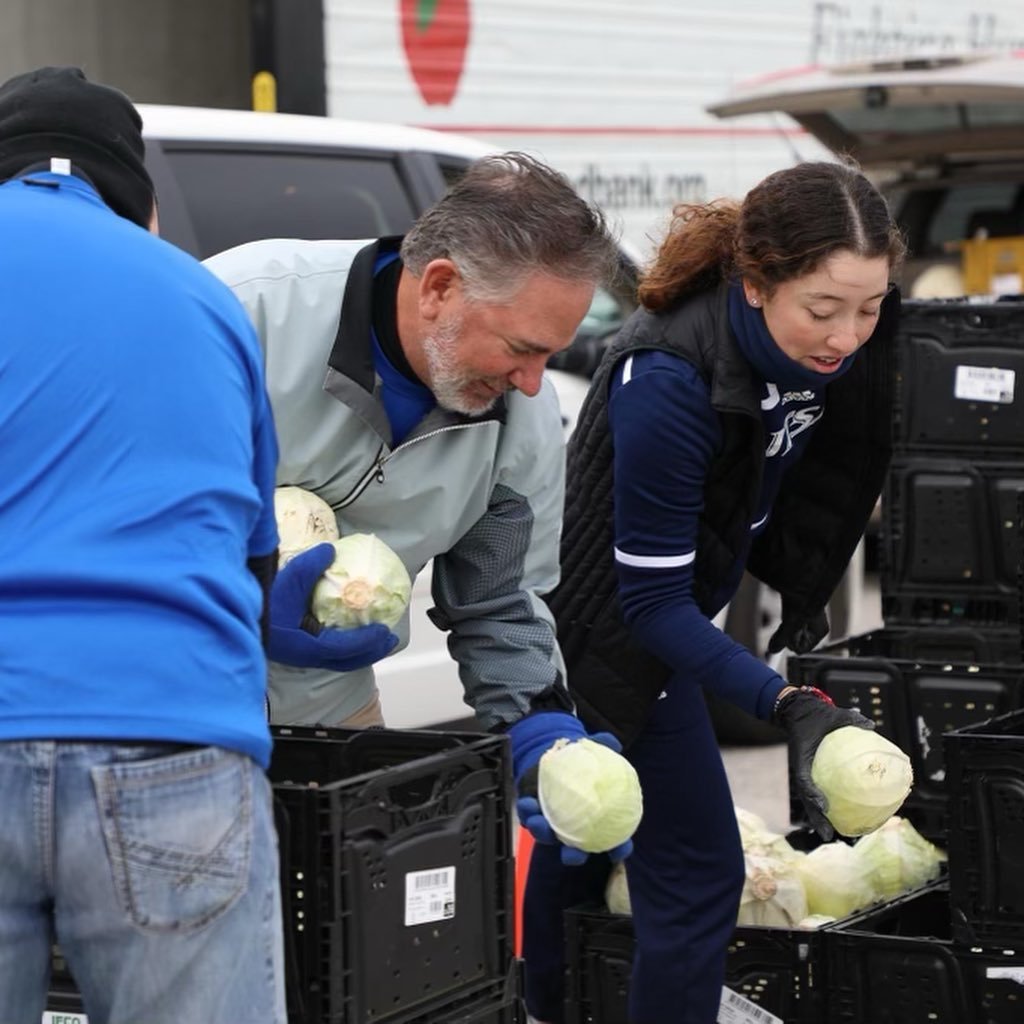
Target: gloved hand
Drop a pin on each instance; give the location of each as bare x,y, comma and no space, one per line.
808,716
296,638
531,737
799,633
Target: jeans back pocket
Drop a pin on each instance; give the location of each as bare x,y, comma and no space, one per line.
178,832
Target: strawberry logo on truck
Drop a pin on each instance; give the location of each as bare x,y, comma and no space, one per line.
435,34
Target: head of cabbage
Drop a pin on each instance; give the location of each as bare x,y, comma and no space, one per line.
896,857
773,895
303,519
366,583
863,776
616,890
834,882
589,794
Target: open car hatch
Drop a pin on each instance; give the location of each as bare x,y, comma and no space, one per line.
926,111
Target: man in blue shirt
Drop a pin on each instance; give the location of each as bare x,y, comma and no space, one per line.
137,546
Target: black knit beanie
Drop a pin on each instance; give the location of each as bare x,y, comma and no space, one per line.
57,112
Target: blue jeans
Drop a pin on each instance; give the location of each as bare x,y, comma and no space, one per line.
155,869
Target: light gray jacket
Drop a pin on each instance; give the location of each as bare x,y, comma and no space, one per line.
482,497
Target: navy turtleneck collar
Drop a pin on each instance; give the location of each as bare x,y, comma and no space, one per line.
763,352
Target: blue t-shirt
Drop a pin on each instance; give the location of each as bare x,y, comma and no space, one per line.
137,459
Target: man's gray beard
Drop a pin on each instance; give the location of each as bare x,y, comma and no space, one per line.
447,382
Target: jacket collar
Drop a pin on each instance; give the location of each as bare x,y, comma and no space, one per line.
733,386
352,351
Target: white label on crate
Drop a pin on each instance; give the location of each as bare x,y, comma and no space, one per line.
984,384
430,895
57,1017
1013,973
737,1010
1005,284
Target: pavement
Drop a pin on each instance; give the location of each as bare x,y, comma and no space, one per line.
758,775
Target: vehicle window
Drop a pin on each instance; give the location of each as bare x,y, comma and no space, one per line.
606,313
878,124
235,196
449,171
965,208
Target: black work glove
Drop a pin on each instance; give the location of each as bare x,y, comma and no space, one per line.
799,633
808,715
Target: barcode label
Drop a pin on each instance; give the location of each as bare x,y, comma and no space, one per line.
429,895
735,1009
430,879
984,384
57,1017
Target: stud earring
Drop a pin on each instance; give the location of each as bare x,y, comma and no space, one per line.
755,303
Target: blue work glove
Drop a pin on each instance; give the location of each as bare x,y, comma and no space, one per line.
296,638
531,737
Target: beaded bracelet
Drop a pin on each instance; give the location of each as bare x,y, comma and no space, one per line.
786,692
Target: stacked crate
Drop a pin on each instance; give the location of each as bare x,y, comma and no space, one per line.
949,653
900,963
397,875
954,951
986,840
950,952
772,975
951,540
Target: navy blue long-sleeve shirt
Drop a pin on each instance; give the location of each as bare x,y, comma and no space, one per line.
665,436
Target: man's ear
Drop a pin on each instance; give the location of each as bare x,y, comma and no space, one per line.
440,283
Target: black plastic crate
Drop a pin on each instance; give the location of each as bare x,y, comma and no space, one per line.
960,377
914,701
986,844
494,1007
951,542
379,829
599,963
770,967
965,644
354,810
67,1003
897,964
773,968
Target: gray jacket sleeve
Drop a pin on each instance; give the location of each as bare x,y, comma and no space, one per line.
489,586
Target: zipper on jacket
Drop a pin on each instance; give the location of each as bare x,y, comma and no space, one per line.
382,459
376,470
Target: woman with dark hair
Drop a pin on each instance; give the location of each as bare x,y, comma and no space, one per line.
739,421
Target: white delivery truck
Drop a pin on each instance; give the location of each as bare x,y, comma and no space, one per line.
614,93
